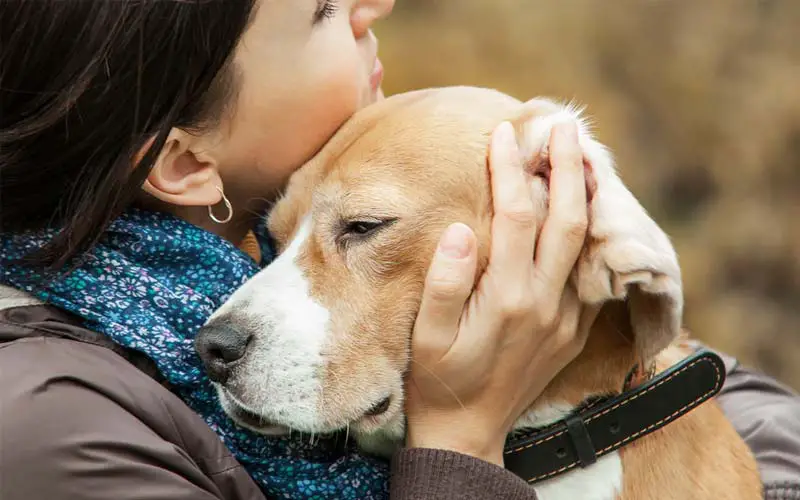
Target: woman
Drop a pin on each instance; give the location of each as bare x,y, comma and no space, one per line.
140,140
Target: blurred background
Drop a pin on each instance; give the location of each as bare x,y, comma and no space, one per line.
699,100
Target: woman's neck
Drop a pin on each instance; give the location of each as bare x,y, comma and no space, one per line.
242,222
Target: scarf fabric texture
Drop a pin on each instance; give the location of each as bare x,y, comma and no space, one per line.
150,284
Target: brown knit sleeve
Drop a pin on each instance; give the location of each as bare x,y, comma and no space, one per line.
426,474
766,414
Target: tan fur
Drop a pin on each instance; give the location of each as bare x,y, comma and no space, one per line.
421,158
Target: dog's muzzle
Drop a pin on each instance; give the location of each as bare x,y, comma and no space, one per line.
220,345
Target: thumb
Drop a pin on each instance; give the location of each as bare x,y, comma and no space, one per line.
448,285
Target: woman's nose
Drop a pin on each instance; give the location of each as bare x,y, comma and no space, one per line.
367,12
220,346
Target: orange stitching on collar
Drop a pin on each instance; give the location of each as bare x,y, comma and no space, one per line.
623,403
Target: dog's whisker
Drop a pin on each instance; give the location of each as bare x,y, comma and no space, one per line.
270,203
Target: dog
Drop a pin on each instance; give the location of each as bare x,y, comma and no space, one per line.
321,336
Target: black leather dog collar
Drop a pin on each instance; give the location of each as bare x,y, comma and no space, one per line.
581,438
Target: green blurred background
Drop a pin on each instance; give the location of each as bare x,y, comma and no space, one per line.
699,100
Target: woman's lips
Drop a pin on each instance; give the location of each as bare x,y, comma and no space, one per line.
376,77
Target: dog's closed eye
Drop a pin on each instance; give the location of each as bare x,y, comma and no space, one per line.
361,229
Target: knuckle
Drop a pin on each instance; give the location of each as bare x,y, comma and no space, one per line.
520,213
516,304
568,338
549,318
578,220
575,229
549,321
445,289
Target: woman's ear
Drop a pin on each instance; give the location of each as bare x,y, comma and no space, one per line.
185,173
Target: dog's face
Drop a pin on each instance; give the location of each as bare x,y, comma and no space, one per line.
332,317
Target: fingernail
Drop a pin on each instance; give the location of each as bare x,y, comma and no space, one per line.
456,241
569,130
505,134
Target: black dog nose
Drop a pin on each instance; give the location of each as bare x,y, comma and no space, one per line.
219,346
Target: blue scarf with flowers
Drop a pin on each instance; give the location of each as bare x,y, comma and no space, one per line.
149,285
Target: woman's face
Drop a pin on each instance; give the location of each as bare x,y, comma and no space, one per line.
305,66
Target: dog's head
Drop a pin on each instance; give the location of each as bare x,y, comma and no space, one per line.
324,330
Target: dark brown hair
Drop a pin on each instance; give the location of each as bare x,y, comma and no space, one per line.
84,85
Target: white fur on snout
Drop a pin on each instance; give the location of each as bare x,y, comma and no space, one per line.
281,378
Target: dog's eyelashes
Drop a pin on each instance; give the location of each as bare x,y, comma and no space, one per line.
361,229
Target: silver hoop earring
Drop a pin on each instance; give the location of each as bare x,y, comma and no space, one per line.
227,205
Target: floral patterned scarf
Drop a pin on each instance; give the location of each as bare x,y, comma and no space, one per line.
149,285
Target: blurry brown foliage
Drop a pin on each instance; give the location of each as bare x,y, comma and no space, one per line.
700,101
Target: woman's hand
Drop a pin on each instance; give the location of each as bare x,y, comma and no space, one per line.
478,367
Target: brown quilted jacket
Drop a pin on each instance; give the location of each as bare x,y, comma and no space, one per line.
80,420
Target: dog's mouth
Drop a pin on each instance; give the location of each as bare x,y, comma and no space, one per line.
250,419
379,408
376,415
373,418
380,414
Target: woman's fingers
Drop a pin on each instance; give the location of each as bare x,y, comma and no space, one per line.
574,321
564,231
448,285
514,221
520,327
588,317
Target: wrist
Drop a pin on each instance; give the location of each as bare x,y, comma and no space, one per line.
480,445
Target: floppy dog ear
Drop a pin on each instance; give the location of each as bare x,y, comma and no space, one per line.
626,256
